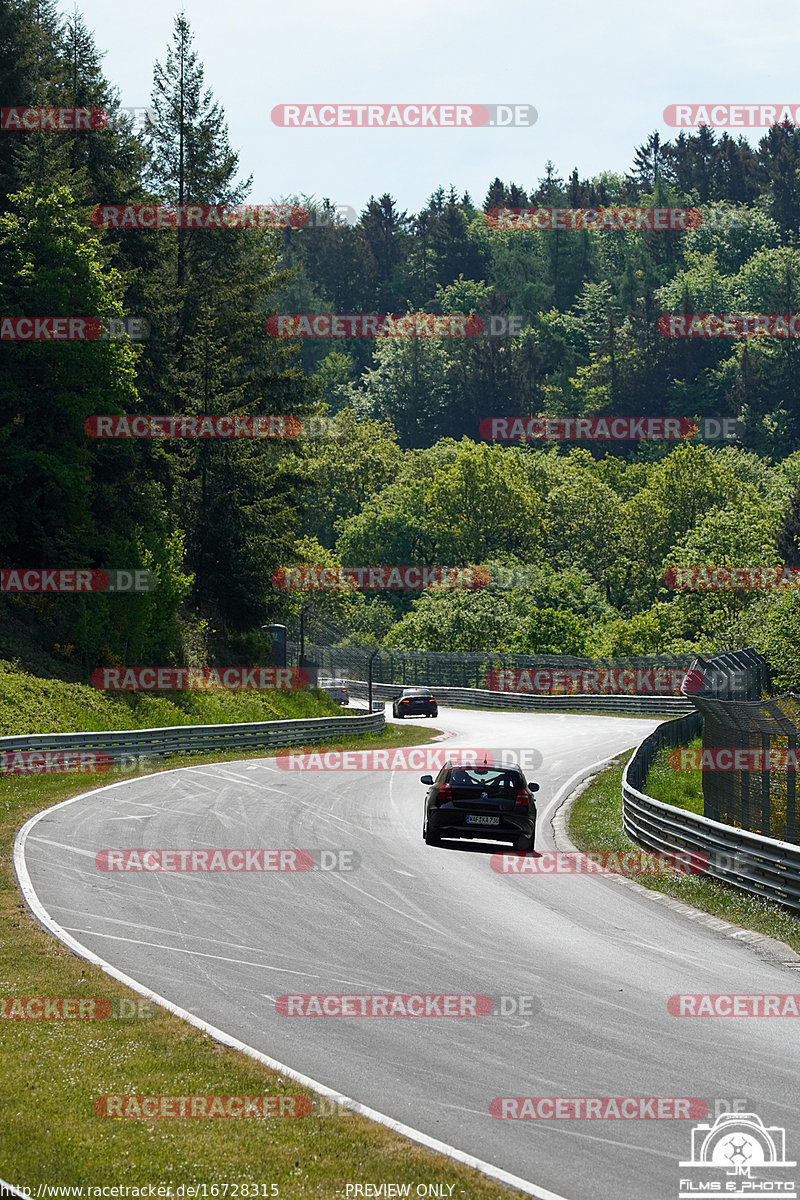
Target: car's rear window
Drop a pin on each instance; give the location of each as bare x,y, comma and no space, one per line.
496,782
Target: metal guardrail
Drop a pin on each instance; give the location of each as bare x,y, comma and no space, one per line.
530,702
198,739
760,865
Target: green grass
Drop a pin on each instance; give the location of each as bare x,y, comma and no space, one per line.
29,704
52,1071
682,789
596,824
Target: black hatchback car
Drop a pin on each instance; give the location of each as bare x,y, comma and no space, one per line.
489,800
415,702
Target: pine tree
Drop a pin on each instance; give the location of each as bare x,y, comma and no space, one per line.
39,158
18,42
192,160
386,233
649,163
496,195
551,187
208,296
779,154
704,153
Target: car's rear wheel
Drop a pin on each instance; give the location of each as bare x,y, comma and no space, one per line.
429,838
523,844
399,715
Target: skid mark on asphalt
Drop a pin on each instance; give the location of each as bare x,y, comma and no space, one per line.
63,846
203,937
114,937
574,1133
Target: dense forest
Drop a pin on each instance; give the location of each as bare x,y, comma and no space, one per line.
575,538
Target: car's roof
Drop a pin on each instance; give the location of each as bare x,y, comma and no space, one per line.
416,691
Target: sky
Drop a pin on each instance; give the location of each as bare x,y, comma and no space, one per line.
599,75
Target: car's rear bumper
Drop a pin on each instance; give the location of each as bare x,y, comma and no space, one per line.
450,823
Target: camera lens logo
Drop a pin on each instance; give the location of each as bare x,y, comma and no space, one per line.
738,1144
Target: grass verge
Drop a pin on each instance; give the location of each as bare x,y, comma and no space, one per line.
53,1070
595,823
29,704
682,789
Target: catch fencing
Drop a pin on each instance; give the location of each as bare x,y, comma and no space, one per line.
462,669
762,866
737,717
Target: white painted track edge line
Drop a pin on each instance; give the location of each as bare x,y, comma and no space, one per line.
767,948
414,1135
563,792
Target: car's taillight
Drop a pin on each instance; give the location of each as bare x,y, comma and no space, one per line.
521,799
405,701
445,794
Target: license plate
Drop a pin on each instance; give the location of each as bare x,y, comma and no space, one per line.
474,819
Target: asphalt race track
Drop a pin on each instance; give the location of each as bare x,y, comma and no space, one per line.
601,959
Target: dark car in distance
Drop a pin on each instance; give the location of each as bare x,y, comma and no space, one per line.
415,702
489,800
